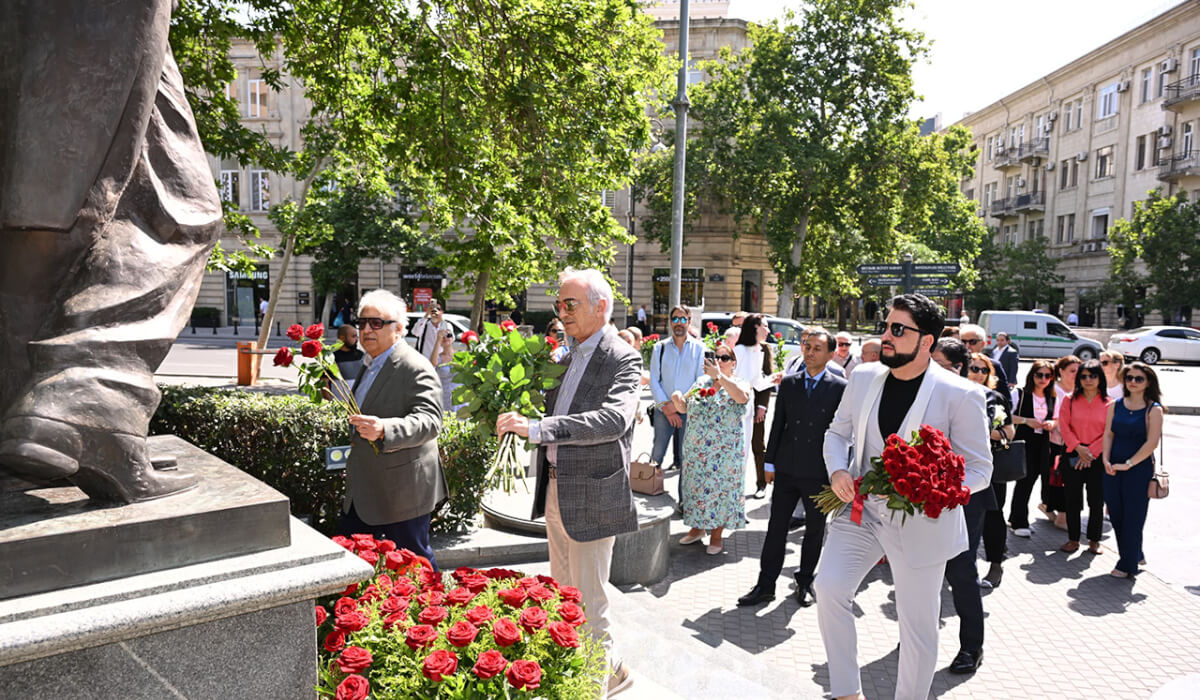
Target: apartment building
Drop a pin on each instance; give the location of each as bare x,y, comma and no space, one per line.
1066,156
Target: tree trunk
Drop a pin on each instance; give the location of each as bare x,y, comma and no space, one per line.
326,307
289,248
481,284
787,291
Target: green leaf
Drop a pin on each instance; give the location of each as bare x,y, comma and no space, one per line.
493,330
517,373
517,342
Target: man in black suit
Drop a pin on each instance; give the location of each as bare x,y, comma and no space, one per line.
804,409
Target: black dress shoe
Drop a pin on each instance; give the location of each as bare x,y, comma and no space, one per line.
966,661
805,596
757,595
795,523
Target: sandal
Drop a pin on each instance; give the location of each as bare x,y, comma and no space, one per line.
1069,547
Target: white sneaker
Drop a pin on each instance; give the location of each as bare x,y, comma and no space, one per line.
1022,532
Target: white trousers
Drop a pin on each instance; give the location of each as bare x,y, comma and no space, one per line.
850,552
586,566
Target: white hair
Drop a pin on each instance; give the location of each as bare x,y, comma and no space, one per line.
844,335
972,328
389,304
597,287
733,330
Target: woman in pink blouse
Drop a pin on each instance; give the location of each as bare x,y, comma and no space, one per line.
1082,424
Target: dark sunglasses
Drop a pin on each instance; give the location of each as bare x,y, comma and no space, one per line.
898,330
1089,375
725,358
373,322
978,370
843,345
1105,363
679,319
1043,375
1134,379
569,305
976,341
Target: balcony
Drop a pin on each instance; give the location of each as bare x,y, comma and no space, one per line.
1182,92
1037,148
1006,157
1034,201
1001,208
1093,246
1179,165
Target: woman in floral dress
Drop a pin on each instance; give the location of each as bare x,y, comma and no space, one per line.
714,450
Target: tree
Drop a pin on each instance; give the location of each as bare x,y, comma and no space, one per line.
804,139
1022,276
1163,234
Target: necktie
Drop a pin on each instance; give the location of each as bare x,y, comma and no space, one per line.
809,385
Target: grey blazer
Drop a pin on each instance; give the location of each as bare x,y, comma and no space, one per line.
405,479
594,441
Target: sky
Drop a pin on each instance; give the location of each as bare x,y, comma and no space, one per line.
981,51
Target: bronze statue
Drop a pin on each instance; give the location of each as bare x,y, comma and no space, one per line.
108,211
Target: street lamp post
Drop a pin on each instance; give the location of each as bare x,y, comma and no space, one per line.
681,110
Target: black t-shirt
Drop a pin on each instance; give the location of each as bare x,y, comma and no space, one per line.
898,396
347,355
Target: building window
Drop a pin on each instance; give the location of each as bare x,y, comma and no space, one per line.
1162,85
990,140
1066,228
1147,83
1140,154
1107,103
1079,113
608,198
256,99
989,193
260,190
1100,224
1104,162
1194,67
230,187
1187,139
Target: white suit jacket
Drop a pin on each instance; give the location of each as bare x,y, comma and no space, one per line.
945,401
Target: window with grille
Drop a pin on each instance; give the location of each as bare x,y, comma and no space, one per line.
260,190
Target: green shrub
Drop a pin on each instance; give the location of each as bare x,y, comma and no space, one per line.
206,317
281,441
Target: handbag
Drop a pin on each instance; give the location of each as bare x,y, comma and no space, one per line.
1056,470
1008,462
1160,483
646,476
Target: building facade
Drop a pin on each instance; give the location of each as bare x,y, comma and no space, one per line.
1066,156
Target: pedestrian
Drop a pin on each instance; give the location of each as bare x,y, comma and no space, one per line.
907,391
642,321
754,365
1072,319
950,332
1133,430
1082,423
554,330
583,452
714,451
676,363
870,351
443,363
804,409
348,359
1034,418
981,370
263,305
731,336
393,489
429,329
516,317
1007,357
843,357
975,338
1054,497
638,338
964,318
1113,364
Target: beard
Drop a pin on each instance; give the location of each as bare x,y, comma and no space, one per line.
898,359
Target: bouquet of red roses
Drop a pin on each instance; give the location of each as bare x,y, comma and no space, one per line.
923,476
648,344
409,633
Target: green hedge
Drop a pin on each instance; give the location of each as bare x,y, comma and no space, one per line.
281,441
206,317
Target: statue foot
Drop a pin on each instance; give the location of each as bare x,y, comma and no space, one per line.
39,450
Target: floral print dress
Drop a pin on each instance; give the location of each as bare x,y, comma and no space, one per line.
714,461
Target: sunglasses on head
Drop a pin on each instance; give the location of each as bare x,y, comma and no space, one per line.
976,369
679,319
374,322
1043,375
1134,378
899,329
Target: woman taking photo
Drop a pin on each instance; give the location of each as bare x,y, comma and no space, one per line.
754,365
714,450
1082,424
995,533
1034,419
1132,431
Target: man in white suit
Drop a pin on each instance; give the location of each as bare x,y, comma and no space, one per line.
897,395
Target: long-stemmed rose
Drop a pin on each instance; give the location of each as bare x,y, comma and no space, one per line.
502,372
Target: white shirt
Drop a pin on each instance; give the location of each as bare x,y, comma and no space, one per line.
641,315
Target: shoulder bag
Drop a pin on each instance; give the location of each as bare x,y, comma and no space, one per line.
1160,483
645,476
1008,461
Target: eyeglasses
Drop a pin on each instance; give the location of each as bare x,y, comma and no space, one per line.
725,358
1089,375
680,319
566,304
374,322
1105,363
843,345
1134,379
1043,375
975,369
898,330
973,341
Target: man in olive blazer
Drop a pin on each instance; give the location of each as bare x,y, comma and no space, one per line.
394,492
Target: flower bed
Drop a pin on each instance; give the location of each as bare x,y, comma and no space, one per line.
409,632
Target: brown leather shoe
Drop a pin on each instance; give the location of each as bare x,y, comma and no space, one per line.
1069,547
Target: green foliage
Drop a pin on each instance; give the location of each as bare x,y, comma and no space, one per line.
1023,276
206,317
281,441
1163,234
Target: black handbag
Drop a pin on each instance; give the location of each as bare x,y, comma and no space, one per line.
1008,461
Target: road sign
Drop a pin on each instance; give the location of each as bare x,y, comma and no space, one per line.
885,281
877,269
930,281
936,268
932,292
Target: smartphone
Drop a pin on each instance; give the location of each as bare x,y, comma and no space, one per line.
710,356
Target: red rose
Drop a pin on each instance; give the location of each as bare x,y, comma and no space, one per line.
334,641
712,327
396,619
540,593
512,596
533,619
552,342
461,572
316,331
778,336
419,636
354,687
370,556
366,545
430,579
432,615
351,589
469,337
547,581
355,659
489,664
500,574
506,632
528,582
507,326
403,588
475,582
439,664
461,633
393,561
343,541
385,582
393,604
361,537
570,593
283,357
524,674
431,598
563,634
310,348
571,613
351,622
460,596
932,510
371,594
345,605
385,546
479,615
295,331
321,615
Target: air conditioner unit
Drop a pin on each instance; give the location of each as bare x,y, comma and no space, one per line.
1167,66
1164,142
1164,130
999,149
1053,115
1081,156
1123,86
1050,165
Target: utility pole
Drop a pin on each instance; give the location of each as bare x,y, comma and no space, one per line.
681,109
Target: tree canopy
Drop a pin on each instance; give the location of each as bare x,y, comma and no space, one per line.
1015,276
1163,233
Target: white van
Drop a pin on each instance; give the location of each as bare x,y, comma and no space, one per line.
1038,335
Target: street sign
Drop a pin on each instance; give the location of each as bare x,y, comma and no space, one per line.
932,292
877,269
930,281
936,268
886,281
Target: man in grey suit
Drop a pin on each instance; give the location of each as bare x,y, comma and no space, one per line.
897,396
393,492
583,451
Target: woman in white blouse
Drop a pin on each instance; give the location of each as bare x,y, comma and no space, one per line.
749,352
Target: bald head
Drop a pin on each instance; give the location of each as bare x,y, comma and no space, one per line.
870,350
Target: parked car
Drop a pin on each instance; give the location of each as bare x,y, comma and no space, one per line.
789,329
460,324
1038,334
1153,343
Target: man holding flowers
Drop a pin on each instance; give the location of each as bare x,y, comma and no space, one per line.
902,393
391,493
583,450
